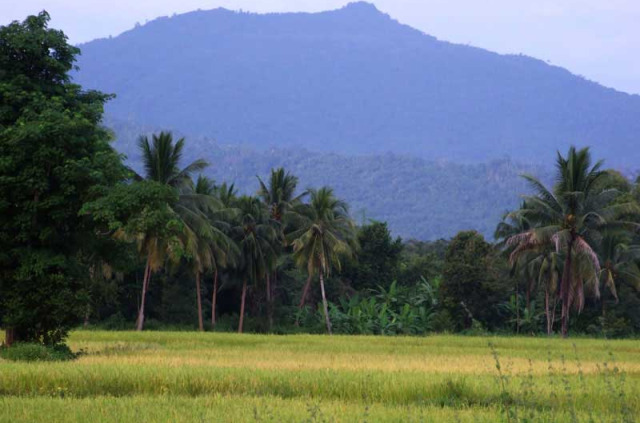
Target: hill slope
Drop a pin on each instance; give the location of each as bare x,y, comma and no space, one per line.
352,81
419,199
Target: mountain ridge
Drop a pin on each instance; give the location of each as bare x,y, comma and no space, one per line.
419,199
353,99
352,81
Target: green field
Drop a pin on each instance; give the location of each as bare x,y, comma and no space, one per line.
194,377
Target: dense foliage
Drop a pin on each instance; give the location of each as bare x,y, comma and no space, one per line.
54,157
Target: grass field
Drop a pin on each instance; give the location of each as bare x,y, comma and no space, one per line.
209,377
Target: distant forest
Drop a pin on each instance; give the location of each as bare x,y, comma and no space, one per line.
419,199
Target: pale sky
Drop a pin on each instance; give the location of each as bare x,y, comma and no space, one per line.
598,39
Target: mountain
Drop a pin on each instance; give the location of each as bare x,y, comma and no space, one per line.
352,81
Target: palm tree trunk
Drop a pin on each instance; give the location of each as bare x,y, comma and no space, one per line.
604,314
553,312
214,299
269,303
517,309
87,314
274,282
242,301
565,320
547,312
199,299
305,292
145,285
567,277
324,304
528,299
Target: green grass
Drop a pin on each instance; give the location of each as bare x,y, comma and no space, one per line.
181,376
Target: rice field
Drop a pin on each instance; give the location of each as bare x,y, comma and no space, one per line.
220,377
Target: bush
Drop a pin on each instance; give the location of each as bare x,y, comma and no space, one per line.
37,352
442,322
116,322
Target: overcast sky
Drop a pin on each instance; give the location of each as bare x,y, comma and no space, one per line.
599,39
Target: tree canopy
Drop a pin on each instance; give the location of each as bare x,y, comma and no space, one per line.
54,157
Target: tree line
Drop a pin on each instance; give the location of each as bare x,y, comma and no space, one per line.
85,238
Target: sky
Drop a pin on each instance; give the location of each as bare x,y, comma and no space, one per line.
598,39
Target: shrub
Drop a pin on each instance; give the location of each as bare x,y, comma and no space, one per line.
23,351
116,322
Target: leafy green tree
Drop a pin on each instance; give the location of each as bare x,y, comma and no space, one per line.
377,263
142,212
613,179
107,260
636,190
473,281
421,260
325,236
54,157
257,242
571,217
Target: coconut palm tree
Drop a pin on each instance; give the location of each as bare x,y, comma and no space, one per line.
203,216
227,196
257,243
279,195
549,271
521,264
571,217
157,247
161,159
619,260
536,264
325,235
215,249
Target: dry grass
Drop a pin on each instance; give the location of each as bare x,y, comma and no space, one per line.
229,377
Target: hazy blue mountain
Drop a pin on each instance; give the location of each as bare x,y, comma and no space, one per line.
353,81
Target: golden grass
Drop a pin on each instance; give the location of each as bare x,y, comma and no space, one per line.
234,377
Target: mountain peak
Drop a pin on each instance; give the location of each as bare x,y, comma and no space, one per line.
353,81
361,7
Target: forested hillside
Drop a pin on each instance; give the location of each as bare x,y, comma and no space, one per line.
353,81
419,198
